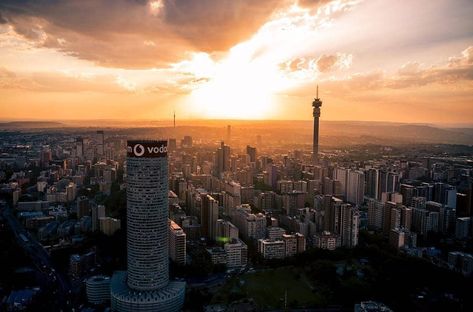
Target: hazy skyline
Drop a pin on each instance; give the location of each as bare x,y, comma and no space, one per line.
404,61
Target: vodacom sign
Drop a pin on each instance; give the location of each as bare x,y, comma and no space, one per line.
147,149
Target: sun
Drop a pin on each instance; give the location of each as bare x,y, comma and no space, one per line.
235,89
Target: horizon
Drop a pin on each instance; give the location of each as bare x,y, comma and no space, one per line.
212,121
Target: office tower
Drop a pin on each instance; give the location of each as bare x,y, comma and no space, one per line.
45,157
80,147
388,209
407,192
316,104
225,231
222,160
462,228
271,176
186,142
208,216
349,225
177,243
236,253
397,238
387,182
146,286
375,213
252,152
355,187
172,145
100,143
229,133
341,175
83,206
98,211
372,184
109,225
406,218
463,205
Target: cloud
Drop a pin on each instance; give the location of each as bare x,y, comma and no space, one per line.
63,82
326,63
312,3
303,69
119,33
457,70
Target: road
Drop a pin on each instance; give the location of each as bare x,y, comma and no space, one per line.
40,258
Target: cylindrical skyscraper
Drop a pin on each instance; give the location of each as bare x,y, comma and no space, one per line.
317,103
146,286
147,216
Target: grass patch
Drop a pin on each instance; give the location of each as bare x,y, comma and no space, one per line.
268,288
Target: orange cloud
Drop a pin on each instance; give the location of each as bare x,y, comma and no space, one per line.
137,34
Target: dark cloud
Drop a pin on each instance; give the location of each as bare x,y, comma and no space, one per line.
127,33
2,19
217,24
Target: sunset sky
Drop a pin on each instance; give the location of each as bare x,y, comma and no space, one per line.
388,60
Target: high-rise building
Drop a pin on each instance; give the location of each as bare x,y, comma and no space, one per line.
83,207
250,226
80,147
229,133
355,187
100,143
375,213
222,161
252,152
186,142
349,225
272,249
225,231
208,216
146,286
316,104
98,211
177,243
109,226
326,240
236,253
372,184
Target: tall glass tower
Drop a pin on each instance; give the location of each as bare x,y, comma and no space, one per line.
146,286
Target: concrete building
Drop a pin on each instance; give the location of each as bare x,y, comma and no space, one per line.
236,252
208,216
326,240
177,243
146,286
225,231
109,225
251,226
98,289
272,249
462,228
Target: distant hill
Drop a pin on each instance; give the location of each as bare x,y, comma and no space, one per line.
30,125
331,132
